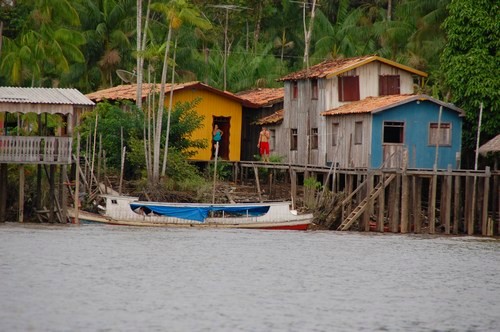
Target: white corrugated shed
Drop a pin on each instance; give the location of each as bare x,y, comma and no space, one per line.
54,96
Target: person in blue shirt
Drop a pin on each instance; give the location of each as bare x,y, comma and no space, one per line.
216,135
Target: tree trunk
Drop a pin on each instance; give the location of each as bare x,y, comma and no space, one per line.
161,105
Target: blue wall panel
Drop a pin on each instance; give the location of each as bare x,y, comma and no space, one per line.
417,116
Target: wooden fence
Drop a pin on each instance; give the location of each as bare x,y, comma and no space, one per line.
35,149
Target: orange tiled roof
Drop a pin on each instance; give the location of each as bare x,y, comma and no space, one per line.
272,119
128,92
330,68
377,104
264,96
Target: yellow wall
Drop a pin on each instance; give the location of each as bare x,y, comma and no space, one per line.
212,105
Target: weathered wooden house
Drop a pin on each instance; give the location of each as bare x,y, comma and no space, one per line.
27,138
217,107
264,102
306,132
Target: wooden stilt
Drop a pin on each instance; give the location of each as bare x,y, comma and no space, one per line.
397,205
381,208
21,193
51,193
471,205
293,191
484,214
404,194
270,180
77,181
446,204
369,210
432,204
257,182
417,205
456,205
64,195
3,192
38,202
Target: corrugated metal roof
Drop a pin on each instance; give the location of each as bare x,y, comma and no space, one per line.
272,119
378,104
330,68
492,145
263,96
43,96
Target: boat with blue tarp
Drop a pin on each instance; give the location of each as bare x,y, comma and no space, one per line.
130,211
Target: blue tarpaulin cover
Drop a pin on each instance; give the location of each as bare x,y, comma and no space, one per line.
199,213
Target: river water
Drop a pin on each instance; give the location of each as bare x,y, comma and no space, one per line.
111,278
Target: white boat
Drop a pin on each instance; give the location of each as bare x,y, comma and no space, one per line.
129,211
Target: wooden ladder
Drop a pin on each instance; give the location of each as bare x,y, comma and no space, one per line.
358,211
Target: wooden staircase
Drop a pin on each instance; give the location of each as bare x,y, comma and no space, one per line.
358,211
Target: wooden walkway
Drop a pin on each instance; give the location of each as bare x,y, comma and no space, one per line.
403,200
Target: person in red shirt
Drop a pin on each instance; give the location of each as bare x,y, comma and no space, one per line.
263,144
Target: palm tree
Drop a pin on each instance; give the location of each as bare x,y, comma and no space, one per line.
108,26
46,47
175,12
345,37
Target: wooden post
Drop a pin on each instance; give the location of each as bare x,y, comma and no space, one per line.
38,202
417,204
395,216
404,194
432,204
257,182
21,193
77,181
381,207
484,217
456,205
270,180
104,171
3,192
293,191
124,151
446,207
369,210
64,194
235,172
51,193
99,157
349,184
472,207
216,157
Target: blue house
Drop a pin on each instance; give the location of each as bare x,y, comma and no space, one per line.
375,131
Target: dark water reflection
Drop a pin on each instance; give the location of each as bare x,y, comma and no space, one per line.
105,278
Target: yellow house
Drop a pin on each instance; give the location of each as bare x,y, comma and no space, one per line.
217,107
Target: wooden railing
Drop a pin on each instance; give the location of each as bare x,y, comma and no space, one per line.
35,150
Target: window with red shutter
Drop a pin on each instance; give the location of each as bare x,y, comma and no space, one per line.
388,85
348,88
295,89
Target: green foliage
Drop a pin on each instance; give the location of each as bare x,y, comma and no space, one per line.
224,169
312,183
183,122
184,174
111,122
311,189
112,119
471,62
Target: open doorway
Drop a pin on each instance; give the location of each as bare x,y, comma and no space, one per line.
224,124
